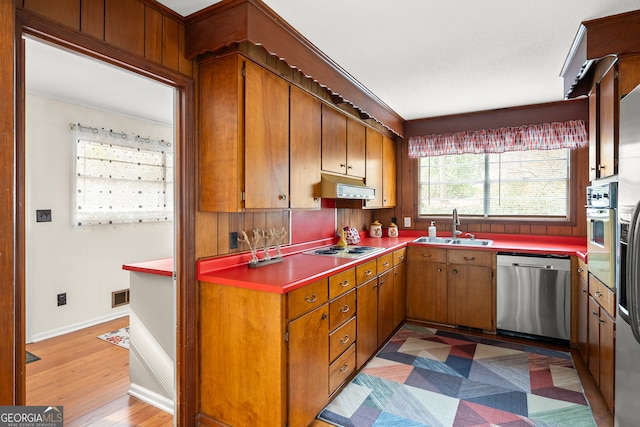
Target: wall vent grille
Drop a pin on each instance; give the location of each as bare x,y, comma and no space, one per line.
119,298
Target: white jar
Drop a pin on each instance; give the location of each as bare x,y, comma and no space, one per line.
393,230
375,229
432,229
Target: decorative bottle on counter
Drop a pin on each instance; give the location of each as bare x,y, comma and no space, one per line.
432,229
393,230
375,229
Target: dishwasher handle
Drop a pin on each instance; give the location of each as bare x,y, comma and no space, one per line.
541,267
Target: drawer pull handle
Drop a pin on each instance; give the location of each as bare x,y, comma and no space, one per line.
439,270
345,309
381,282
580,270
345,340
598,294
385,264
471,258
313,298
455,271
584,291
600,320
345,368
368,273
426,255
344,284
595,313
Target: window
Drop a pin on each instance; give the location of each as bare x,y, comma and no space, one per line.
532,183
121,178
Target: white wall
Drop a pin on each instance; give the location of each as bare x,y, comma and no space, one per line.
86,263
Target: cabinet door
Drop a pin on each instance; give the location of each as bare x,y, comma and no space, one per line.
583,313
608,124
367,321
355,148
388,172
385,306
607,359
594,133
308,366
374,166
266,139
594,340
427,291
470,298
304,149
399,294
334,141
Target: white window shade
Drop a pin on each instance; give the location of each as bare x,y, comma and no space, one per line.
121,178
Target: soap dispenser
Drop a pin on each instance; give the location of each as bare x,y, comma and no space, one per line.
432,229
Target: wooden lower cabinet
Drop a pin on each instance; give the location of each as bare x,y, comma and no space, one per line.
582,335
601,339
308,369
451,286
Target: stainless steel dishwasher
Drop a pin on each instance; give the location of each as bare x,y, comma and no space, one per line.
534,295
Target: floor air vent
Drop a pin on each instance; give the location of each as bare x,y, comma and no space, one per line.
119,298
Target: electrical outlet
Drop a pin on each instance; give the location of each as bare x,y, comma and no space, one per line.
43,215
62,299
233,240
407,222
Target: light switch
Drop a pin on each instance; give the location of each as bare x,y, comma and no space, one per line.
407,222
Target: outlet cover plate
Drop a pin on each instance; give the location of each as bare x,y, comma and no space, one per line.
43,215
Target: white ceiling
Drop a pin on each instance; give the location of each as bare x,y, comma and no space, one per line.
423,59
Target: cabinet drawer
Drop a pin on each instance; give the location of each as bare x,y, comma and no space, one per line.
384,262
366,271
399,256
582,270
307,298
342,368
603,295
341,339
425,253
457,256
341,283
342,309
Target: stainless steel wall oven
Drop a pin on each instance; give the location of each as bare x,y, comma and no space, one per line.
602,226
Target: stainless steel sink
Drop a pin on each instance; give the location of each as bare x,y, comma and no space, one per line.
458,241
433,240
472,242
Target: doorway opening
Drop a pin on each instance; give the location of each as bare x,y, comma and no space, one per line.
84,264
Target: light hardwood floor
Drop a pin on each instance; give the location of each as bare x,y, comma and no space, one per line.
90,379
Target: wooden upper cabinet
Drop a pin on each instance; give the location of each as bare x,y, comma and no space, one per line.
355,148
609,103
388,172
374,167
221,152
244,136
594,132
334,141
266,139
304,149
343,143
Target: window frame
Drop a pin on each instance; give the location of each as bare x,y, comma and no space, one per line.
574,189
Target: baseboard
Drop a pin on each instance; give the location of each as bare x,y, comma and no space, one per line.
77,326
151,398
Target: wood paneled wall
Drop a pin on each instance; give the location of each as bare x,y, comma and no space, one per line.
142,28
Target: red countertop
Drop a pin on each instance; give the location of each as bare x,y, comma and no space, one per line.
298,269
161,267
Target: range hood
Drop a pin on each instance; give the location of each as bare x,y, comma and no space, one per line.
342,187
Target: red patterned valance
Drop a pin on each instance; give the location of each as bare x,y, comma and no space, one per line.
546,136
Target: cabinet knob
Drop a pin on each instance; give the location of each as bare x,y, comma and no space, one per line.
439,270
580,269
598,294
381,283
368,273
282,197
343,165
349,167
385,264
455,271
324,316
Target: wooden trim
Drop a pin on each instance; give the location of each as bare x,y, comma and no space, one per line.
575,109
48,31
11,353
252,21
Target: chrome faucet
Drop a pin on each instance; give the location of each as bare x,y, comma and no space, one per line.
454,223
